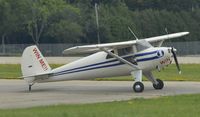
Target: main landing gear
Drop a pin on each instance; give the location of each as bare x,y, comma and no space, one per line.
139,86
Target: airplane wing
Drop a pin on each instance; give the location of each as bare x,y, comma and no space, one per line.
97,47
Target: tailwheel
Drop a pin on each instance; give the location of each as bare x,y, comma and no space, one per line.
138,87
29,86
160,84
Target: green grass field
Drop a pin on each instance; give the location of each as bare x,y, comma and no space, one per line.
190,72
175,106
13,71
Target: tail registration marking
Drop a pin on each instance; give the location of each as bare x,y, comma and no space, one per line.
40,59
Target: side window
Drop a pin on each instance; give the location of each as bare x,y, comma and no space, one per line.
125,51
121,52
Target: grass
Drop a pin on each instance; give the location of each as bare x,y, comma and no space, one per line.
190,72
13,71
9,71
175,106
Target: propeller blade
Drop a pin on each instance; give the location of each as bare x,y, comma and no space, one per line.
176,60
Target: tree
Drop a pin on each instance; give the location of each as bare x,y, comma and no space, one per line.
11,17
73,21
66,31
41,15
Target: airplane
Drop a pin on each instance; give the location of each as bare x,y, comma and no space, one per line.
136,58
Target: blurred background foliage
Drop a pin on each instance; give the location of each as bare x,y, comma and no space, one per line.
73,21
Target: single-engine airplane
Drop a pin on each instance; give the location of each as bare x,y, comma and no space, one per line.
137,57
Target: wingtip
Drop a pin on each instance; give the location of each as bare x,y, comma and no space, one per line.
186,33
67,51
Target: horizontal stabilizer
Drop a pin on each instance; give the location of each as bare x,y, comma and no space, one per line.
39,76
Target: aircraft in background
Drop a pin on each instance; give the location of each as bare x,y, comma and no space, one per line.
137,57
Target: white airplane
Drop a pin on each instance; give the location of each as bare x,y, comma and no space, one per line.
136,58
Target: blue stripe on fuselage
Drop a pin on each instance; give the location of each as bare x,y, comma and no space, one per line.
94,66
147,59
143,54
101,63
106,66
88,66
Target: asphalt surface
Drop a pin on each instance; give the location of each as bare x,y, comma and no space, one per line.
15,94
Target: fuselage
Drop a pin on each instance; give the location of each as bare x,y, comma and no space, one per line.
100,65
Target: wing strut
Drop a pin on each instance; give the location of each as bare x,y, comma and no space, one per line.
120,58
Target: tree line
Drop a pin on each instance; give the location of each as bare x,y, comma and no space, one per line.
73,21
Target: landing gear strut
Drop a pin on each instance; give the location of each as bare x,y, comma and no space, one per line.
159,85
138,86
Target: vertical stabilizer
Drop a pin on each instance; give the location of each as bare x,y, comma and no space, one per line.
33,63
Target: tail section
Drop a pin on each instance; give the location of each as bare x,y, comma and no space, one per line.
33,64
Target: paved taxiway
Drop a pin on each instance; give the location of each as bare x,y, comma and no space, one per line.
15,94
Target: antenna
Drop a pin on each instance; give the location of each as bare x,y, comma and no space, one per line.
132,33
97,21
166,30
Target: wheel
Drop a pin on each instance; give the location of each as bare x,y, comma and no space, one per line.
160,84
138,87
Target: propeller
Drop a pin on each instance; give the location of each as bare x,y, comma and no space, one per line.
176,60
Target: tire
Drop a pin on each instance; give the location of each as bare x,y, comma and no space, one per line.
138,87
158,86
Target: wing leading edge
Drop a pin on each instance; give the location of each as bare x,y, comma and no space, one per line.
96,47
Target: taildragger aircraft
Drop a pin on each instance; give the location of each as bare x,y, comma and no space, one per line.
137,57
